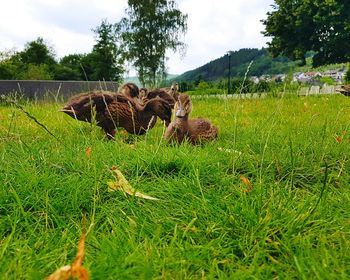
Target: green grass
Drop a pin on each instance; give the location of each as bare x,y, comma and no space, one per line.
294,224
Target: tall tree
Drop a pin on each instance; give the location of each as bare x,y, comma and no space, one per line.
38,52
299,26
105,60
150,28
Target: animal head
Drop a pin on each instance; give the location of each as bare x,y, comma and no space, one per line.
81,107
163,95
183,106
143,93
174,90
130,90
161,108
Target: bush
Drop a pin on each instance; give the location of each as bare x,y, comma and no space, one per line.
347,75
327,81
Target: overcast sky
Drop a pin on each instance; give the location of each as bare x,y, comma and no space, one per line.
214,26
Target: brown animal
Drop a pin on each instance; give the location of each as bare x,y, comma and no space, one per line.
143,93
161,94
194,131
130,90
116,110
345,90
169,94
174,90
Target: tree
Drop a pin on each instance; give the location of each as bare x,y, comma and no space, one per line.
105,60
8,70
299,26
150,28
70,68
36,72
35,62
38,52
347,75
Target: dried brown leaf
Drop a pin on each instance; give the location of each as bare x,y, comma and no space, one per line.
76,270
88,152
338,139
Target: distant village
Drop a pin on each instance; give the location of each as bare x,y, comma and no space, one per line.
311,78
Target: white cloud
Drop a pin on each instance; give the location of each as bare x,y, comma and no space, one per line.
214,26
66,25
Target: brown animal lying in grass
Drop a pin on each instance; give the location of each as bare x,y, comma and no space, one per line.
194,131
116,110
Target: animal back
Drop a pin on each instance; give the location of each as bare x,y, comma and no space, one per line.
201,130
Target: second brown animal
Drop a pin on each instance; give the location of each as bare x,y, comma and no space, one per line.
181,129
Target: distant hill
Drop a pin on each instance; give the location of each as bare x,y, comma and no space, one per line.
262,63
137,82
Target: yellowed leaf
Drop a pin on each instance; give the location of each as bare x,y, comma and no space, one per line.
88,152
338,139
123,185
63,273
246,182
76,270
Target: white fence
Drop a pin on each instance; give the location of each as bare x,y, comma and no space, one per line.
314,90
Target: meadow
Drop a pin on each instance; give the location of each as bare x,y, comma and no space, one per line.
270,199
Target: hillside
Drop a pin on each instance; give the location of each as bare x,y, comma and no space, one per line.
136,80
262,63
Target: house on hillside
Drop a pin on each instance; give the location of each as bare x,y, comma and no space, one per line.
254,79
266,78
337,75
296,76
279,78
308,77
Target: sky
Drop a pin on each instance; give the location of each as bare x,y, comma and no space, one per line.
214,26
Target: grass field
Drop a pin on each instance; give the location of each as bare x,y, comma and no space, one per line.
292,222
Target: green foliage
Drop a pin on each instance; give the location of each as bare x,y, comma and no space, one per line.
241,86
347,75
37,52
36,72
35,62
8,70
70,68
292,224
151,28
297,27
327,80
203,85
65,73
217,69
105,59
